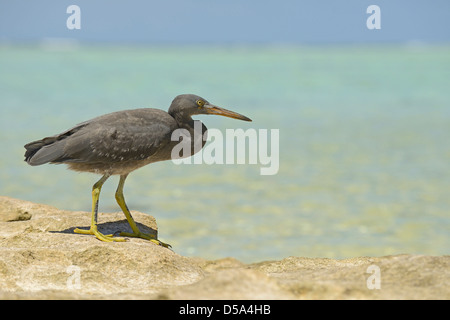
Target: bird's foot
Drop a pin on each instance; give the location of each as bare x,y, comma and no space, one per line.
146,236
99,235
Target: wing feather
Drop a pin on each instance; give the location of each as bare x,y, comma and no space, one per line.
119,136
125,135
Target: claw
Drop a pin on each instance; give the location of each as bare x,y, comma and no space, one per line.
99,235
146,236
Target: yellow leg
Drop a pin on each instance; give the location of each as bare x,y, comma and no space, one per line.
94,230
136,232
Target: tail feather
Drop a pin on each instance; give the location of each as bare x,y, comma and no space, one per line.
50,149
42,151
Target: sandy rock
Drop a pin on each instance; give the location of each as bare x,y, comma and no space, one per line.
400,277
231,283
41,258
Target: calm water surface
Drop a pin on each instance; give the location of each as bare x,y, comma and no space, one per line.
364,144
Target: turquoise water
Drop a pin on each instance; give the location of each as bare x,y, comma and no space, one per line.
364,144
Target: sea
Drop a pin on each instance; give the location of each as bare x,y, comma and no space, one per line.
363,143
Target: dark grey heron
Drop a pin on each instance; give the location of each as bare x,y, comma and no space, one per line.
121,142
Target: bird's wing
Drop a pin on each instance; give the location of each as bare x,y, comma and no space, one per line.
125,135
119,136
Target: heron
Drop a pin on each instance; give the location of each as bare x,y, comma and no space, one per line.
120,142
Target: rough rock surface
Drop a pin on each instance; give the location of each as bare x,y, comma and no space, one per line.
41,258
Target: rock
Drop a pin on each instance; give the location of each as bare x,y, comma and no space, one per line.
41,258
401,277
231,283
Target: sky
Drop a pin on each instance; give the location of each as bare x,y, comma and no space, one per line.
229,22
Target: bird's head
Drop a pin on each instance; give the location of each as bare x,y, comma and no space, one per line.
187,105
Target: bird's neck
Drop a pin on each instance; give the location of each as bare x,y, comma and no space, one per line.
181,118
193,126
185,121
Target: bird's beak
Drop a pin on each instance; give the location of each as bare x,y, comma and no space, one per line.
212,109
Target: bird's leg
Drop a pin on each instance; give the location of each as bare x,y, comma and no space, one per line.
94,230
136,232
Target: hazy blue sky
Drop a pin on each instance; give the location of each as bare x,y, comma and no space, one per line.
230,21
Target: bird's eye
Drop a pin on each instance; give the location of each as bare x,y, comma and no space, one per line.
200,103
